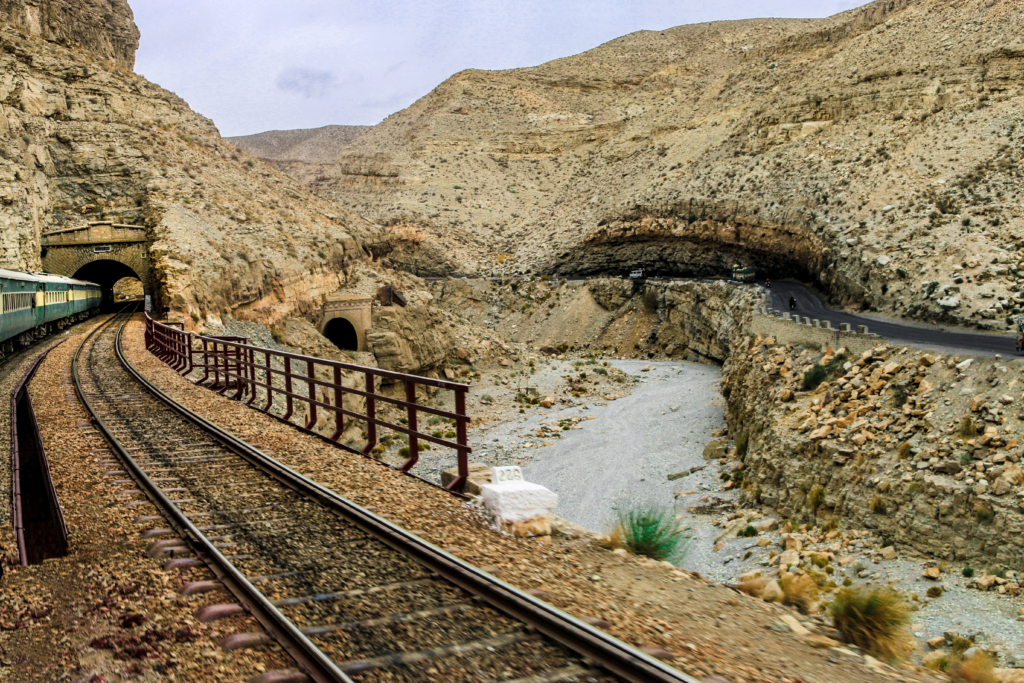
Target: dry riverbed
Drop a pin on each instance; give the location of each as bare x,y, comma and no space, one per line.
649,444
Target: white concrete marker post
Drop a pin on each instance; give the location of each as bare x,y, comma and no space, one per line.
517,506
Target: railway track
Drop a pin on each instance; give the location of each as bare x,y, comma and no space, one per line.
348,595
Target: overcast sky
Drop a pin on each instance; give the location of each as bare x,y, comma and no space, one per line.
256,65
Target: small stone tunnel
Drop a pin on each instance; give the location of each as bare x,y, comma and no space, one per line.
346,320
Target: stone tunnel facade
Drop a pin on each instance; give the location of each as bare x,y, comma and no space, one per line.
100,252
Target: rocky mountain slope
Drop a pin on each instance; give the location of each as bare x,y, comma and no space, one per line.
876,152
308,146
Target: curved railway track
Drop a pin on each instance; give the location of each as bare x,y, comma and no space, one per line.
348,595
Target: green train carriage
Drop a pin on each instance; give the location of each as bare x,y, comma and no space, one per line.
34,304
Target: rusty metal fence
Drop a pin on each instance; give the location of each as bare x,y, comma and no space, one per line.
269,381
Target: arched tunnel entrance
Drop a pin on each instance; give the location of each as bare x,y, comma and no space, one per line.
106,274
342,334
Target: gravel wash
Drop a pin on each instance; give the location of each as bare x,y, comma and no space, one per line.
106,612
712,630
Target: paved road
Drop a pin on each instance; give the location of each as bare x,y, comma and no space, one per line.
811,304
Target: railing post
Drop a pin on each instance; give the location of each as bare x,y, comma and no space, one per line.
190,352
371,414
463,441
288,388
414,446
217,354
311,374
339,399
239,370
270,385
250,356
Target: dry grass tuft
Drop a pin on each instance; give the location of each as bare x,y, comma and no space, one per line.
799,591
878,506
978,668
874,620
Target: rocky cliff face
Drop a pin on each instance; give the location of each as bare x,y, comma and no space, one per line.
86,140
920,448
105,27
877,153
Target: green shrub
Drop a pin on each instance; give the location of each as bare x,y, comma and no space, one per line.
873,619
819,373
934,592
749,531
649,529
967,572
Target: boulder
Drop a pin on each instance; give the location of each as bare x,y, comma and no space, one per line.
479,474
789,558
889,552
1013,474
772,592
715,450
985,582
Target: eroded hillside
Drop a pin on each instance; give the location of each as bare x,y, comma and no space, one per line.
876,152
311,146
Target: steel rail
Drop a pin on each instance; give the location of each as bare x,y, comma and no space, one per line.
594,645
307,655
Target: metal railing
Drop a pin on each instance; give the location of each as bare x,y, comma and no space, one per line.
265,379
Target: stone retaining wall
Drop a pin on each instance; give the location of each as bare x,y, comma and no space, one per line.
789,329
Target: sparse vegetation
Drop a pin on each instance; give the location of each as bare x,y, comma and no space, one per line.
878,506
815,498
819,373
983,512
799,591
968,429
873,619
977,668
934,592
648,529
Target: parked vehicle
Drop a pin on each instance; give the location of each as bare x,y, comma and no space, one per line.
34,304
743,274
637,274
